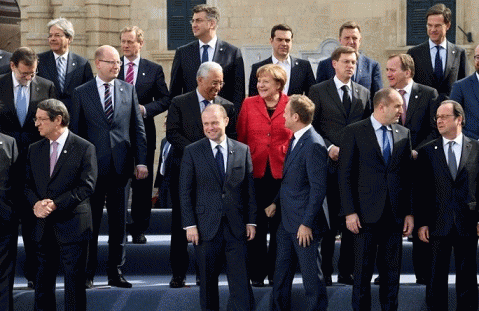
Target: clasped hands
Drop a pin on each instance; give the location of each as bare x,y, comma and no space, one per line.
43,208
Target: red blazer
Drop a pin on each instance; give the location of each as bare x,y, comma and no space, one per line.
267,137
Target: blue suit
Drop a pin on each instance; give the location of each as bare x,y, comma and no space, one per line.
367,74
301,197
466,93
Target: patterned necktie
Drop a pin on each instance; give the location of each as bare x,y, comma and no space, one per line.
438,65
21,104
61,69
220,162
53,156
404,106
108,103
346,99
452,160
386,146
130,73
204,57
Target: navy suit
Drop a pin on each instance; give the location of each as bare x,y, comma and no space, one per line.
153,95
162,182
466,93
187,61
448,207
5,61
367,74
119,146
78,72
300,199
302,76
380,195
220,211
424,73
68,229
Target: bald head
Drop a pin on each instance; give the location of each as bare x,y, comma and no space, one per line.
107,62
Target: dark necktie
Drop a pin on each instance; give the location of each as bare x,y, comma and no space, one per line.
220,163
130,73
61,69
166,150
206,102
21,104
404,106
452,160
438,65
204,57
346,99
108,103
386,146
290,147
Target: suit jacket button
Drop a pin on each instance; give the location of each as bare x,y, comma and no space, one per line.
269,134
222,195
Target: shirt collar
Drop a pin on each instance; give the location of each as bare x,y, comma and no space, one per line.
432,45
201,98
212,42
477,76
126,61
339,83
408,87
65,55
300,133
377,125
62,138
457,140
222,144
276,61
100,82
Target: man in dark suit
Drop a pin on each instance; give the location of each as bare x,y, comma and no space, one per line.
419,109
368,71
208,48
334,111
20,92
64,68
375,181
4,61
8,220
304,217
61,176
107,114
299,71
163,175
445,208
218,209
438,62
466,93
153,97
183,127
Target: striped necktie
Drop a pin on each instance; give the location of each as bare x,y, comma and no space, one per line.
61,69
108,103
130,73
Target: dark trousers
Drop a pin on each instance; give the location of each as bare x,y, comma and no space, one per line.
114,188
8,258
385,239
261,258
141,198
288,254
465,250
421,257
28,223
210,256
73,259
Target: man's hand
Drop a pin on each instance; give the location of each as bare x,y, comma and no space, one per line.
141,172
270,210
43,208
192,235
305,236
414,154
334,153
408,225
142,110
477,229
352,223
250,232
423,233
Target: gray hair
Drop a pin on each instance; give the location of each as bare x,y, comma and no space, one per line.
206,67
64,24
55,108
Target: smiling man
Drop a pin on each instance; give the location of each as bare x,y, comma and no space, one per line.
299,71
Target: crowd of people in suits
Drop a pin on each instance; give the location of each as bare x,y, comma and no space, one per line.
314,158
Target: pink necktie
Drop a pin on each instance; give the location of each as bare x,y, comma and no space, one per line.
130,73
404,106
53,157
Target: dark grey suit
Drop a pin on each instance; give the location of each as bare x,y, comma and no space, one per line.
220,211
4,61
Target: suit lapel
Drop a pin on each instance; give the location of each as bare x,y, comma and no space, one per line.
466,150
51,67
35,96
64,155
120,99
333,93
441,157
295,71
359,69
142,70
299,145
474,85
9,101
231,159
71,66
219,52
95,100
44,157
195,57
426,56
210,159
413,103
450,59
371,137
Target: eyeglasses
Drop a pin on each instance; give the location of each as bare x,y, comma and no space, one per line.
55,35
198,21
40,120
442,117
476,58
217,84
112,62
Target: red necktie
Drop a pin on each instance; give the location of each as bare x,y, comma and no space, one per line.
130,73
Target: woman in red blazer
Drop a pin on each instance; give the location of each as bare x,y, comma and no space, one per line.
261,126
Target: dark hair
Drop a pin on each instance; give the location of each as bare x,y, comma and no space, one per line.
343,50
303,106
383,95
456,109
407,62
24,54
282,27
211,11
349,25
440,9
55,108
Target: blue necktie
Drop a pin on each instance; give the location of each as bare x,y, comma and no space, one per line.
220,163
438,65
206,103
204,57
452,160
386,146
21,105
61,72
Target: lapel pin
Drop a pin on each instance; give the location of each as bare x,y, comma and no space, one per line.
1,57
143,73
435,147
121,89
453,52
221,49
73,64
38,89
64,151
416,96
1,142
397,131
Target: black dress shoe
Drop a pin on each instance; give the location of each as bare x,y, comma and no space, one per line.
119,281
88,283
139,238
177,282
348,279
197,281
377,281
257,283
30,285
421,281
270,282
328,281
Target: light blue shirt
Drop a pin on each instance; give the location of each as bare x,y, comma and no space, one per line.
442,52
379,133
